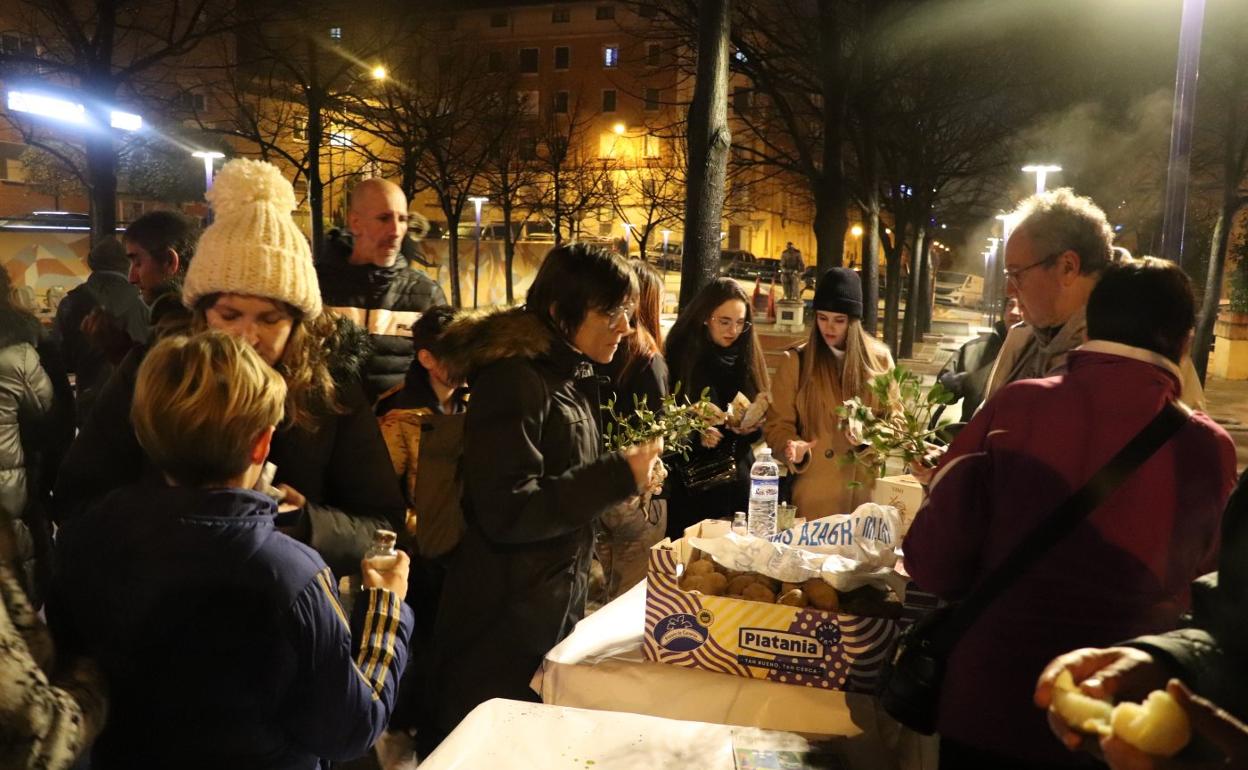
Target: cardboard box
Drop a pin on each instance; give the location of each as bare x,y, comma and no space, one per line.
903,493
793,645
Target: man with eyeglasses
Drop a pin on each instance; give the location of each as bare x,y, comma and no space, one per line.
1053,260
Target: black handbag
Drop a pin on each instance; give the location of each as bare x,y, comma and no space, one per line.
708,471
910,680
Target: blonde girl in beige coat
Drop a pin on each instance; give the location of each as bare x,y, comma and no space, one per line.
836,363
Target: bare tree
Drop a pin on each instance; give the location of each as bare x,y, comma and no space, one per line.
104,50
571,181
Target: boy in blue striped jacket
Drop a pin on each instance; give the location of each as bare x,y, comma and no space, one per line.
222,640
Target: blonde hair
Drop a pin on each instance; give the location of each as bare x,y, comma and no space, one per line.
822,387
199,404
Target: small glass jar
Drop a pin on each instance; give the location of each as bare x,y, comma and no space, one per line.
740,524
381,555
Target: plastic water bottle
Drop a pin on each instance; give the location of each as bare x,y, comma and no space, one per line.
764,494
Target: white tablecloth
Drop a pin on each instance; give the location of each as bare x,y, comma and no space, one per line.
511,734
600,666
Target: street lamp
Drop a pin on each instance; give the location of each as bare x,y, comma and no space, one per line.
628,233
667,234
208,157
379,72
1042,172
477,202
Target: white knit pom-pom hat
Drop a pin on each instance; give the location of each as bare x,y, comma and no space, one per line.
253,245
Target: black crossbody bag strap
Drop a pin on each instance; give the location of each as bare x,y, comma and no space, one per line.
1063,520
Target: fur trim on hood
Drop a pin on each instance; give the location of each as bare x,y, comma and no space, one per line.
348,348
476,340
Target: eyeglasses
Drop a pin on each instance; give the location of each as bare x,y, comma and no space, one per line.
621,315
1014,276
727,324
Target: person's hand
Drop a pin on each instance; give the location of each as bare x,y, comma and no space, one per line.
291,499
711,438
796,451
641,460
924,468
1225,732
1108,674
393,579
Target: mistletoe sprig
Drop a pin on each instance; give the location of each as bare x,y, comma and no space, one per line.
898,427
675,421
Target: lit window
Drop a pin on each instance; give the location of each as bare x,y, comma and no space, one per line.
335,33
529,100
652,146
740,56
563,57
608,100
610,56
604,12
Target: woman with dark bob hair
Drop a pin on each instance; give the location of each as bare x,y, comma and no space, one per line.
713,347
536,480
253,278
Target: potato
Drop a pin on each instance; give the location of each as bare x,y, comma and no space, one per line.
694,583
702,567
793,598
1158,726
738,584
821,595
786,587
1078,709
759,593
714,584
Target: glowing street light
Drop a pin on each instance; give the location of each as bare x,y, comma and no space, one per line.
208,157
619,129
477,201
1042,172
379,72
67,111
628,234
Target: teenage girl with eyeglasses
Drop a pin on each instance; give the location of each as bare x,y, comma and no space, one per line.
713,346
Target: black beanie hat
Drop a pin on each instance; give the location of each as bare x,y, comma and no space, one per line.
839,291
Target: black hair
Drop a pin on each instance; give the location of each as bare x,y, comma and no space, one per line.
429,327
1146,303
161,231
577,278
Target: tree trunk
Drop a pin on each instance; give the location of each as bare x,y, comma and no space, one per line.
509,250
316,136
910,324
102,182
1213,286
831,221
709,141
926,289
870,260
452,260
892,298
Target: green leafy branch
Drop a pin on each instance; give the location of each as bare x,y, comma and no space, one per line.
898,426
675,420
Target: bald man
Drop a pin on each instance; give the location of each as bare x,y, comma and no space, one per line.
369,281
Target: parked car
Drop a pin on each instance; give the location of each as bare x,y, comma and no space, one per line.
739,263
959,289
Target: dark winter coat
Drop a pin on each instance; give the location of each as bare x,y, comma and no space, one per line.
1124,571
221,639
114,295
26,402
722,373
1211,657
385,302
341,467
536,481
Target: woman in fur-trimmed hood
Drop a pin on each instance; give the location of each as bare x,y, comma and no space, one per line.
253,278
535,480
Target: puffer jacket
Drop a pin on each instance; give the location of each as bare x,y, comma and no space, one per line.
536,482
26,399
385,302
341,466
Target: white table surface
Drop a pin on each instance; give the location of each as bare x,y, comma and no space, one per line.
512,734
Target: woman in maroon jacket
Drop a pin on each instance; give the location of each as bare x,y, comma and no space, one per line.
1123,572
